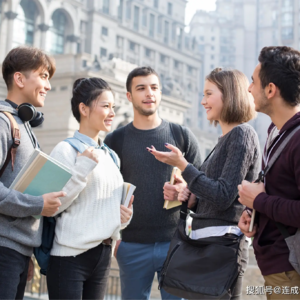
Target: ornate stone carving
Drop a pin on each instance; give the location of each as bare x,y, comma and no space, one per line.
10,15
43,27
73,38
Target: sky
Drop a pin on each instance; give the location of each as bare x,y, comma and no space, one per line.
194,5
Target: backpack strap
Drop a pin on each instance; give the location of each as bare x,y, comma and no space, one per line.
282,228
79,146
179,137
117,140
112,155
16,136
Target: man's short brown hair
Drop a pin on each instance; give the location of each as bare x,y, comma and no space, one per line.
238,103
25,59
139,71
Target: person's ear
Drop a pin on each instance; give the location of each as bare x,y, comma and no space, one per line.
83,109
19,79
129,96
271,90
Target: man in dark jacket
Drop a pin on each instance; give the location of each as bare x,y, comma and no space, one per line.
26,72
276,92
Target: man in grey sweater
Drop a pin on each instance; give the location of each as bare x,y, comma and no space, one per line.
145,242
26,72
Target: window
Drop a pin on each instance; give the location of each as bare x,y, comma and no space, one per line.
166,33
176,64
174,30
287,19
128,10
201,38
145,17
212,57
170,9
119,42
159,25
105,6
212,47
57,32
179,40
104,31
201,48
212,67
1,1
212,38
83,26
287,5
155,3
190,69
287,33
136,18
25,23
132,46
120,10
151,25
0,10
103,52
162,58
148,52
187,42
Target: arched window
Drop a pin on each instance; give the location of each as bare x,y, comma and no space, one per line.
25,23
57,32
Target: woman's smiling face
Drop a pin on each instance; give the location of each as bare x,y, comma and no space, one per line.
101,113
212,101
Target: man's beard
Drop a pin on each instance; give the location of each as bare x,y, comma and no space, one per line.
264,105
143,112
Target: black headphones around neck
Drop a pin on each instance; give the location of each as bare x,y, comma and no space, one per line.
28,113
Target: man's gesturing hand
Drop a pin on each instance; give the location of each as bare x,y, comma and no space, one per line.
51,203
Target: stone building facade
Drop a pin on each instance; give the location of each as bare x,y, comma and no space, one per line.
107,38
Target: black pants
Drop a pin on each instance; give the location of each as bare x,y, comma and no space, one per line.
237,289
13,273
84,276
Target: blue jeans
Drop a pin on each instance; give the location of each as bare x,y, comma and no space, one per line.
138,264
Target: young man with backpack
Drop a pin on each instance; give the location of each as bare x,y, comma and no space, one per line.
26,72
145,242
276,91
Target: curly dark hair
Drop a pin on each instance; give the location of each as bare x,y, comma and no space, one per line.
281,66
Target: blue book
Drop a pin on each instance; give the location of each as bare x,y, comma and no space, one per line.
41,174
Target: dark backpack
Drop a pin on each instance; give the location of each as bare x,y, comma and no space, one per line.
117,139
42,253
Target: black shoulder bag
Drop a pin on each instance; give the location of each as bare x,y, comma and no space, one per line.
206,268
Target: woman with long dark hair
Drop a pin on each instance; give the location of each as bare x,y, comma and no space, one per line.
91,215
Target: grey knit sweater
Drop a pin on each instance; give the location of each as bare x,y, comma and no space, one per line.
18,229
150,222
236,157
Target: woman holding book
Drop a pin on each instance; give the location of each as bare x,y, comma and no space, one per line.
91,215
234,159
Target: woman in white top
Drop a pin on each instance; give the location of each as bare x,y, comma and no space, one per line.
91,215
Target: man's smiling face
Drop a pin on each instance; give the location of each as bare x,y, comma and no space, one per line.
145,94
